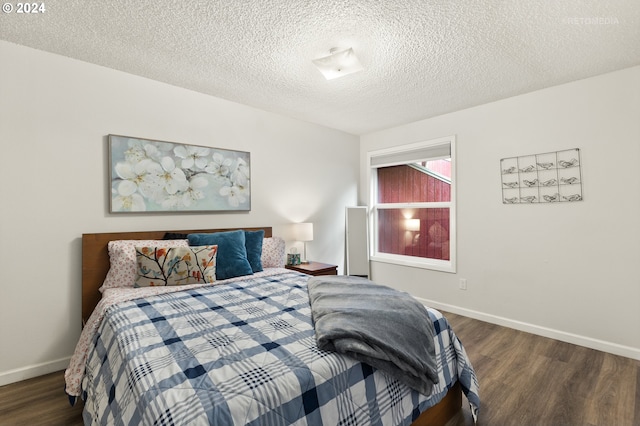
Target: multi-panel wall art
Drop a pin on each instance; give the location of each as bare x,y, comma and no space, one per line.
542,178
156,176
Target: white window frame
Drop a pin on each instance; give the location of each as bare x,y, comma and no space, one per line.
406,154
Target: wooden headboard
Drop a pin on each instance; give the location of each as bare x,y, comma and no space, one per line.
95,258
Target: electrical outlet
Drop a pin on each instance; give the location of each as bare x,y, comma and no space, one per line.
463,284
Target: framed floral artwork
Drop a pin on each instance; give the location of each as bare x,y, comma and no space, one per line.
156,176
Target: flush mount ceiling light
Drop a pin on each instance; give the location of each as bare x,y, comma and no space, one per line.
339,63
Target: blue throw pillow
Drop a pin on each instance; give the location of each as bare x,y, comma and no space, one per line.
253,244
232,255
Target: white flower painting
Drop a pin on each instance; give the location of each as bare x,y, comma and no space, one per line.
155,176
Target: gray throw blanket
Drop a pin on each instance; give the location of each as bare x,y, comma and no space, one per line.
378,325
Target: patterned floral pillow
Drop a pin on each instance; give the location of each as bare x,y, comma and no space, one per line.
273,255
163,266
122,258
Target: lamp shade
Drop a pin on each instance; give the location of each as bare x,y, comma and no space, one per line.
412,224
303,231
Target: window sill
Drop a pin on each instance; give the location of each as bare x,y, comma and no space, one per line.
414,262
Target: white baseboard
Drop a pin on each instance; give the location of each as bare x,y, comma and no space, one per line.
24,373
600,345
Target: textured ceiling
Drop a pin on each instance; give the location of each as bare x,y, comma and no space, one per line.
421,58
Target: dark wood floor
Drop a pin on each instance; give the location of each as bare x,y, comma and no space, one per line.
531,380
38,401
524,380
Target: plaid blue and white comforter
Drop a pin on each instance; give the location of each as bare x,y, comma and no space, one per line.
245,353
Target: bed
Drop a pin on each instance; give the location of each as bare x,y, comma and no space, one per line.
238,351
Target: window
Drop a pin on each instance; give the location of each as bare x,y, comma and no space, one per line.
412,201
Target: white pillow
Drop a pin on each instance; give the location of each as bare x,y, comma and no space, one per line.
273,255
122,258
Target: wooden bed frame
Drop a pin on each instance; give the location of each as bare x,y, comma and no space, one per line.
95,265
95,259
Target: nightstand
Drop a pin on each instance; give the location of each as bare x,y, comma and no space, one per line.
315,268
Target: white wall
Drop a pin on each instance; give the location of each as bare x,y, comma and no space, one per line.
568,270
55,114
